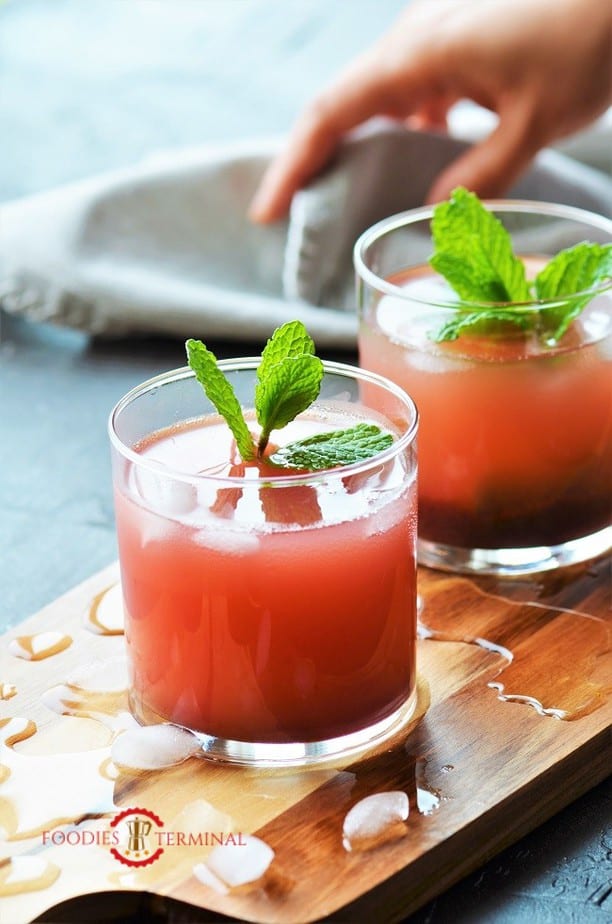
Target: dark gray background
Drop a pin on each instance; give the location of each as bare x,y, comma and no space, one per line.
88,85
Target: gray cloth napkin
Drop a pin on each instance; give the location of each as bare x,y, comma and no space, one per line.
166,247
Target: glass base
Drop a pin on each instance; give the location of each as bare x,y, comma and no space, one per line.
514,561
296,754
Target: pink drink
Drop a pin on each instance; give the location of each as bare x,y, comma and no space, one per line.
267,609
515,439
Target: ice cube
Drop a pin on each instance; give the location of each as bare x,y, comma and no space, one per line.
232,541
373,817
153,747
231,865
165,494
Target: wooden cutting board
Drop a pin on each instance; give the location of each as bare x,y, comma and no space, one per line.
512,723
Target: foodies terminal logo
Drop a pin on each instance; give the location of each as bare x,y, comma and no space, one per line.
138,851
137,837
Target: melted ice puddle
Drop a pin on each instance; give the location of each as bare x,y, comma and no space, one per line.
39,646
41,791
99,691
230,866
105,616
94,691
27,874
554,658
427,798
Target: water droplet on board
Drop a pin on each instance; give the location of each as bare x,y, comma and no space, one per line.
447,768
26,874
375,820
39,646
153,747
108,675
105,615
7,690
110,709
41,791
554,659
233,865
94,691
427,798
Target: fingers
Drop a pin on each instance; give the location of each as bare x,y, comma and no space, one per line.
366,89
433,114
310,144
491,167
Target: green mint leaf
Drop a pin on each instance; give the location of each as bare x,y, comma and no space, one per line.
574,270
289,387
284,389
220,392
479,321
290,340
329,450
473,251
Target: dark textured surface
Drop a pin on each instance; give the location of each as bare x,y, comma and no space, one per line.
91,86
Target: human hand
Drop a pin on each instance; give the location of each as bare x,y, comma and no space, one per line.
543,66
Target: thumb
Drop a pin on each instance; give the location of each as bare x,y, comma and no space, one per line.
491,166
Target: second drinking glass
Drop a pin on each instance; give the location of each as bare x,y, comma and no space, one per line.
515,441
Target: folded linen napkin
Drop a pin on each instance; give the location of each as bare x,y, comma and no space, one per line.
166,247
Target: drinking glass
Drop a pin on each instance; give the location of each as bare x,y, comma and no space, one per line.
515,438
272,615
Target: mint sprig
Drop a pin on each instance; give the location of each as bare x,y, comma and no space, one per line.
288,381
473,251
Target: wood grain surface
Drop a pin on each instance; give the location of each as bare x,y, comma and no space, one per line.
478,771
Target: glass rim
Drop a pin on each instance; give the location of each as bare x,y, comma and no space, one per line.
250,363
425,212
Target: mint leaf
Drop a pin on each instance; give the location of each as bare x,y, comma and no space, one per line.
572,271
289,387
290,340
463,320
288,379
473,251
220,392
329,450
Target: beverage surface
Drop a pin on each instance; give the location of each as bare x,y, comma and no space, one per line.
205,445
413,317
204,450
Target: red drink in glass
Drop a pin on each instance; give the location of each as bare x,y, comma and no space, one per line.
266,610
515,438
515,442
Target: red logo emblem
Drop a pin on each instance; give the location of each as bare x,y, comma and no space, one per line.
137,846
